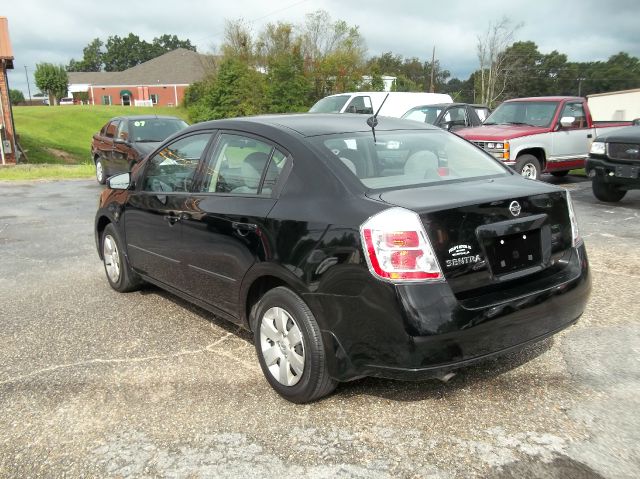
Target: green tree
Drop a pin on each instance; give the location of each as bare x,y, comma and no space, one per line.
52,80
127,52
15,96
91,58
167,43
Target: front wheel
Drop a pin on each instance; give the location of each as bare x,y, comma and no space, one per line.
100,173
607,192
528,166
290,348
119,274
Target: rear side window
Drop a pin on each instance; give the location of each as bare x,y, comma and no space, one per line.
360,104
173,169
244,166
405,158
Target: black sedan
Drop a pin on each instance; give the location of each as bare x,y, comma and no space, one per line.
125,140
399,251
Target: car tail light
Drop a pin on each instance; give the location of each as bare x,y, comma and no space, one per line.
397,247
576,240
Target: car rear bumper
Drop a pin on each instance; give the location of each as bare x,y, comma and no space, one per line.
421,331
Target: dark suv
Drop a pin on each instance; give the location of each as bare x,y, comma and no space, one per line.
614,164
350,246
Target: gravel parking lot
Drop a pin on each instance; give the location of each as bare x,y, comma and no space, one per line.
98,384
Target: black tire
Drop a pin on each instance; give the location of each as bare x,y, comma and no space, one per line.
127,280
528,166
607,192
560,174
101,174
314,382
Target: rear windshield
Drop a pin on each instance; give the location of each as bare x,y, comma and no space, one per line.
154,129
330,104
404,158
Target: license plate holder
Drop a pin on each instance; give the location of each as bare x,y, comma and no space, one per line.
514,252
627,171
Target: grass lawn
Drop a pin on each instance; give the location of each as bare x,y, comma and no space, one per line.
62,134
46,172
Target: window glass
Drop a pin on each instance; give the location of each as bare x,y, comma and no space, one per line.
173,168
425,114
359,105
111,129
155,129
532,113
238,164
576,111
154,98
106,99
122,131
330,104
402,158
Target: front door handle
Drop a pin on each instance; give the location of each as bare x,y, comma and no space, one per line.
243,229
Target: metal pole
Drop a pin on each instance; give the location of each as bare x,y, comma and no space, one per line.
28,87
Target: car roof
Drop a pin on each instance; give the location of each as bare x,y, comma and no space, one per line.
546,98
316,124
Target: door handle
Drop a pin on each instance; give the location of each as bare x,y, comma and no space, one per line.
172,219
243,229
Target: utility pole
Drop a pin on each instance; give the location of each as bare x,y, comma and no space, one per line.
580,80
28,87
433,67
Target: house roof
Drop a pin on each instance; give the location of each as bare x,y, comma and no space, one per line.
6,53
178,67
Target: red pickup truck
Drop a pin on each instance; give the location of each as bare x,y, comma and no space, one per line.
540,134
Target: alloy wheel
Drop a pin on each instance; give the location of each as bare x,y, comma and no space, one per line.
282,346
99,172
111,258
529,171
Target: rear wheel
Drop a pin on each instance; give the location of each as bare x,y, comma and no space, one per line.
528,166
607,192
290,348
560,174
119,274
100,173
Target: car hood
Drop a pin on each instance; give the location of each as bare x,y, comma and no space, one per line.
499,132
144,148
630,134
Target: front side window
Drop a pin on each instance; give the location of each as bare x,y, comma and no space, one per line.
174,167
575,111
531,113
424,114
244,166
112,128
407,158
360,104
456,117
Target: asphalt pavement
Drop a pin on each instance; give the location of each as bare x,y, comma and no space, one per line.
99,384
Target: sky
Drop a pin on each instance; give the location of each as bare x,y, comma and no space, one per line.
585,30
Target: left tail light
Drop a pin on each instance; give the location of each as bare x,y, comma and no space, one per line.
397,247
576,240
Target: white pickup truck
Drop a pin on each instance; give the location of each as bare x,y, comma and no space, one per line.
540,134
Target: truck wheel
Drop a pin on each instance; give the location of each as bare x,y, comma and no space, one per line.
290,347
528,166
607,192
560,174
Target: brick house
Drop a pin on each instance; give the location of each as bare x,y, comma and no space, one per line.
7,128
160,81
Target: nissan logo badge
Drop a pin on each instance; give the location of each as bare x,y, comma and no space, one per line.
515,208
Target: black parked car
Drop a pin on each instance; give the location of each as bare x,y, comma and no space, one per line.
400,252
125,140
614,164
450,116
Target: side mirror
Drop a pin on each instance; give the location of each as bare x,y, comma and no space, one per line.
119,182
567,121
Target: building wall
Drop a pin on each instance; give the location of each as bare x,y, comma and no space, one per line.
616,106
166,94
7,120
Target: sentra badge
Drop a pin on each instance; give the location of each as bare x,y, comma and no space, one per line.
461,254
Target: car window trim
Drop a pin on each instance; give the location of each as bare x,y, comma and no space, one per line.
284,174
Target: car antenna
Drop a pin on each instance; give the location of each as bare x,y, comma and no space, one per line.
372,121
